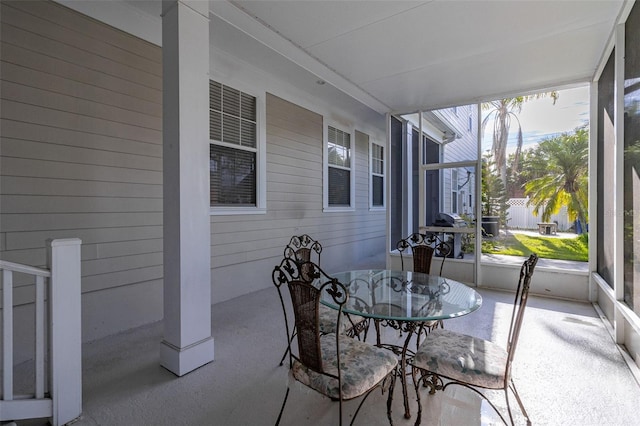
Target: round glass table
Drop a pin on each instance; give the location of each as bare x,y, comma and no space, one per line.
405,301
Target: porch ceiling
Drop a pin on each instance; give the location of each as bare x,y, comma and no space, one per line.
402,56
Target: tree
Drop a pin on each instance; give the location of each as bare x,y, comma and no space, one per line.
532,165
494,196
566,180
502,112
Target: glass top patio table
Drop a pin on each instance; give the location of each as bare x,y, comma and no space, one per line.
404,296
404,301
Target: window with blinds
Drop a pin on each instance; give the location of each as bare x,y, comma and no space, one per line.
339,162
377,175
233,146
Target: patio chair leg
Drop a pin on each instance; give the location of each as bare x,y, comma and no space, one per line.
284,355
392,386
418,377
286,395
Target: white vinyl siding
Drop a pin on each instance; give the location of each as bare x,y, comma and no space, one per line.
81,156
244,247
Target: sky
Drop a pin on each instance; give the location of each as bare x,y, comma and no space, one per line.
541,119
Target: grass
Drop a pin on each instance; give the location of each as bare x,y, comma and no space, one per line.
545,247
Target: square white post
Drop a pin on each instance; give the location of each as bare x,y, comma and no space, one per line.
66,330
187,343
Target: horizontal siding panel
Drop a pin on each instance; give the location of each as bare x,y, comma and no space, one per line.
117,279
58,221
57,170
90,28
280,178
308,199
56,136
52,30
33,257
11,185
306,132
67,70
277,148
290,170
35,43
36,239
276,190
284,173
281,109
30,204
122,263
90,125
127,248
61,153
78,90
24,94
82,146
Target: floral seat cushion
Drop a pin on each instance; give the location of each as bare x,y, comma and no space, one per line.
328,320
464,358
362,367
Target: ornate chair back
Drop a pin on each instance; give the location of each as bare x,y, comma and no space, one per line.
423,247
306,303
303,248
306,290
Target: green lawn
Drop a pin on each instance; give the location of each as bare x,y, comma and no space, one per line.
544,247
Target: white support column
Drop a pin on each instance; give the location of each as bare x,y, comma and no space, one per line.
187,343
66,330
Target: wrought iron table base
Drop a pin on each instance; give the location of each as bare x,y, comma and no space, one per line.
404,353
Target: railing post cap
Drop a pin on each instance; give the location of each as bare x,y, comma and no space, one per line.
65,242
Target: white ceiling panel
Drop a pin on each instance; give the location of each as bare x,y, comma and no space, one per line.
308,23
401,56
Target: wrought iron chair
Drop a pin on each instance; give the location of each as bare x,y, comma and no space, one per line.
423,247
472,362
334,365
306,251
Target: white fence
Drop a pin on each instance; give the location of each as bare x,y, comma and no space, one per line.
520,216
56,390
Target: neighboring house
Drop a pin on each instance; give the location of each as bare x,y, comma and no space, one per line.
450,137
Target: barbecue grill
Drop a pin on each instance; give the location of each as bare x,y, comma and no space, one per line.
451,220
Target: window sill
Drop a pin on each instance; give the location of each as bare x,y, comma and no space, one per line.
233,211
338,209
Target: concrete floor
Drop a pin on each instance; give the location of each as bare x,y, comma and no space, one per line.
567,369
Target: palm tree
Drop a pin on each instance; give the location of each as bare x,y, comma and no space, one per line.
502,112
566,180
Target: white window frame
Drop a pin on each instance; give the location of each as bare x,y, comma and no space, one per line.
382,175
261,157
325,163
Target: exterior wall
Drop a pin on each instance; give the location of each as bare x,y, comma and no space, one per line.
81,156
245,248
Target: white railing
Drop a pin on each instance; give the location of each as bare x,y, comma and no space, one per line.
57,387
